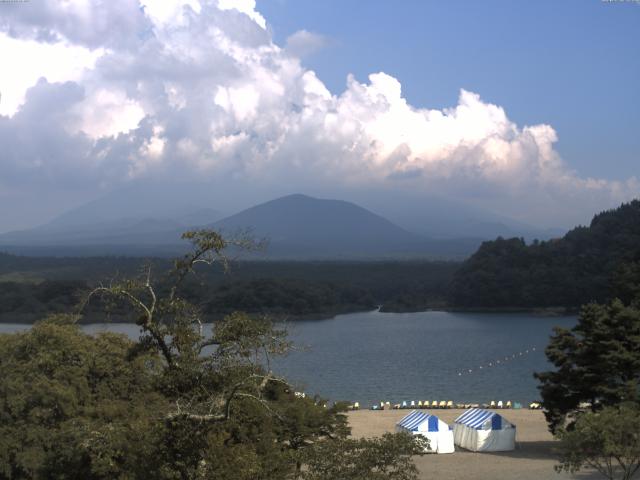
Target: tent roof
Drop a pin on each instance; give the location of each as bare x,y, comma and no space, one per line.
414,419
477,417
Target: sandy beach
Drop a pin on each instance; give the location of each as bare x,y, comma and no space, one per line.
533,458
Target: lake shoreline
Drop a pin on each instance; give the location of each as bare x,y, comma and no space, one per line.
30,319
534,457
370,357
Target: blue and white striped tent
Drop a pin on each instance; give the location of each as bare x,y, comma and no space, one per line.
438,433
481,430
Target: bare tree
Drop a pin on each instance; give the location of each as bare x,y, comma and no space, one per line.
206,372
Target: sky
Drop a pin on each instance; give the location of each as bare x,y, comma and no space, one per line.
525,109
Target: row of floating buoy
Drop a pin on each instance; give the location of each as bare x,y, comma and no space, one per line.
497,362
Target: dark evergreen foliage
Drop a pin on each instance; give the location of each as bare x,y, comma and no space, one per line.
291,289
607,441
579,268
597,362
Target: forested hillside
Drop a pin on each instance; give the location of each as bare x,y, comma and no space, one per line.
591,263
33,287
588,264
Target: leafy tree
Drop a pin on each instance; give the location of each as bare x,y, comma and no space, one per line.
180,403
384,458
73,405
597,362
607,441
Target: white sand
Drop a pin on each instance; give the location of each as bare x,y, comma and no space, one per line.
533,458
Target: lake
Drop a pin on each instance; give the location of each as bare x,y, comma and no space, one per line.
373,356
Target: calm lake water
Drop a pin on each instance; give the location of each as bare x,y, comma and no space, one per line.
373,356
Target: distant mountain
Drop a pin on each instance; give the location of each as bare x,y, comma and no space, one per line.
193,203
122,232
145,200
437,217
590,263
297,226
300,226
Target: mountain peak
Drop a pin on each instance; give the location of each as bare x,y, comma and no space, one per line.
295,196
324,228
296,225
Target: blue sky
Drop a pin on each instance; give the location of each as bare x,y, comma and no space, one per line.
574,64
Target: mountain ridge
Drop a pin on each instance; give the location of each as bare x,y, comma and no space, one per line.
298,226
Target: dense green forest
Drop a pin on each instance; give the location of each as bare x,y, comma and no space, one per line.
31,287
591,263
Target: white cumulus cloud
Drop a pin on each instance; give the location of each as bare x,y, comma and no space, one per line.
303,43
106,92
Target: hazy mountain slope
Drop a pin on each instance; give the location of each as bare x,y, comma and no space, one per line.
298,225
437,217
124,231
426,215
305,220
139,215
143,200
